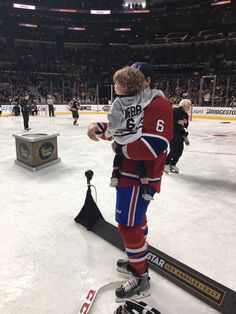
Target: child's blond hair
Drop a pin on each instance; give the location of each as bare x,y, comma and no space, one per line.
131,78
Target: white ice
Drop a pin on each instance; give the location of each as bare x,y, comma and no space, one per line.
48,262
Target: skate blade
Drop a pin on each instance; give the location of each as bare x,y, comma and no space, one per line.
141,295
123,271
147,197
173,171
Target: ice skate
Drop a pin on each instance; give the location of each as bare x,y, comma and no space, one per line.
146,192
132,306
167,169
137,287
121,310
123,266
186,140
174,169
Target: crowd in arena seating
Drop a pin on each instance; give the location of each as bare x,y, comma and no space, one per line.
83,70
90,61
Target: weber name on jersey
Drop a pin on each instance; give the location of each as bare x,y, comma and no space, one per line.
126,117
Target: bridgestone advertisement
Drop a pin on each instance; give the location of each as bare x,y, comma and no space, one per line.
224,113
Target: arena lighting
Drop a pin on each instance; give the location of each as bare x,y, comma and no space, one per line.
64,10
122,29
76,28
100,11
221,2
28,25
104,12
23,6
136,11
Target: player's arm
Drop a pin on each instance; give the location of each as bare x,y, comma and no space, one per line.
148,147
105,130
96,131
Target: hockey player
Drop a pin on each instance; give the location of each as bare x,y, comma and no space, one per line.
180,135
131,208
126,119
74,108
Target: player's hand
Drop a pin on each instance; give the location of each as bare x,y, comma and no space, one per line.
92,129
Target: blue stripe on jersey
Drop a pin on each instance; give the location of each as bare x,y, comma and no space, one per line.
140,255
159,145
123,201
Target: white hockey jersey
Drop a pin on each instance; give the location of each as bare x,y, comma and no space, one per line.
126,117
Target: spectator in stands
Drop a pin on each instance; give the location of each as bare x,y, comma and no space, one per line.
207,98
233,103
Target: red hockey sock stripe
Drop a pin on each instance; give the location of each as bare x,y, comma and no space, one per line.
136,247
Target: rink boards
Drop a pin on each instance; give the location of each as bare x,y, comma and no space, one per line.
211,113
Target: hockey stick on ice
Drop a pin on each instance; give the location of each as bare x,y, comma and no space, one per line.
201,286
93,292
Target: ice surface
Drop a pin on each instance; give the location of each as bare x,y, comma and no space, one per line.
48,262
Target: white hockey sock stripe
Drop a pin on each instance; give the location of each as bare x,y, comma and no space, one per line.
139,250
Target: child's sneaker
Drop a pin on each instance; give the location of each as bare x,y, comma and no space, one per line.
167,169
114,178
146,192
174,169
136,287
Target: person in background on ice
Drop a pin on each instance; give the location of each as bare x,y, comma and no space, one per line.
74,108
126,119
0,110
50,102
152,146
181,121
25,109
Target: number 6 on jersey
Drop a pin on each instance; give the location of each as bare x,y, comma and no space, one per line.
160,125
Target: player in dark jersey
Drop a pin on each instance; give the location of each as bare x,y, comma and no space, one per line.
74,108
181,121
